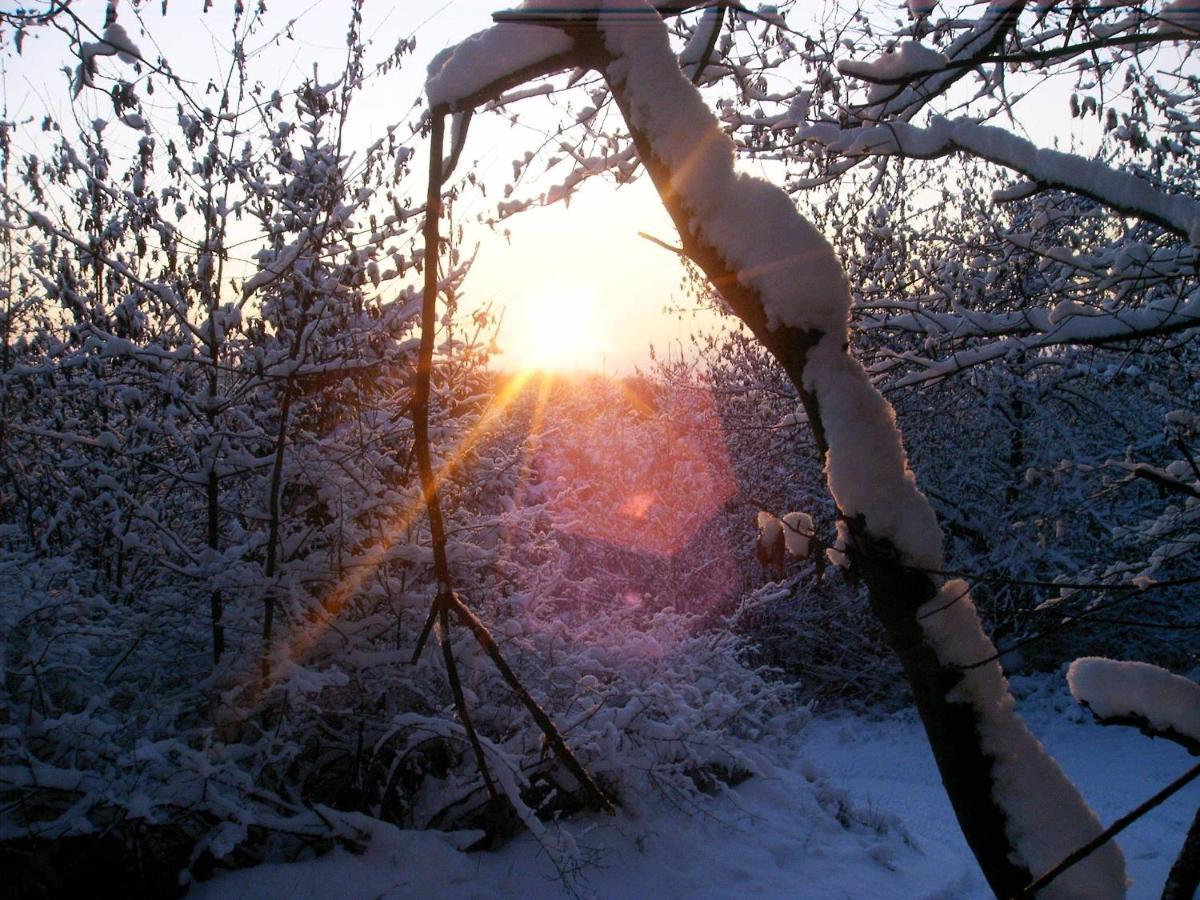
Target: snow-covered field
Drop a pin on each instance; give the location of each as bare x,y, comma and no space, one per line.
858,812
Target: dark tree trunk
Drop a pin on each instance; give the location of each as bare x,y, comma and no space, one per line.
1183,882
897,592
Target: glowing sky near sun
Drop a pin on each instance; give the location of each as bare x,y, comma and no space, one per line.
580,290
576,285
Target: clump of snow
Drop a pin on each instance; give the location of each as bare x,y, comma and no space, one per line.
769,527
1114,690
118,39
1018,191
907,60
797,533
488,56
1066,308
114,42
793,532
1047,819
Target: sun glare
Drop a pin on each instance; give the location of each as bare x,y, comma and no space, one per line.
555,328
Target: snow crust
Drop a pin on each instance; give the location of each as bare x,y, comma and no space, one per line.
1114,689
1047,818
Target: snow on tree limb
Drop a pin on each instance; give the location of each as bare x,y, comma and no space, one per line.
1074,329
1161,703
1047,819
1120,191
490,56
756,230
905,100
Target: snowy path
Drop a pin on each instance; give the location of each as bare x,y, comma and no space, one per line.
778,837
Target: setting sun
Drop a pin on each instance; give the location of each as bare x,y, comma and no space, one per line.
556,327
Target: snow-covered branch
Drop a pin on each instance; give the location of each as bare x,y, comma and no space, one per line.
907,79
1066,326
1120,191
1158,702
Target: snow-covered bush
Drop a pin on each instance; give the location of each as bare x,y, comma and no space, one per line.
109,719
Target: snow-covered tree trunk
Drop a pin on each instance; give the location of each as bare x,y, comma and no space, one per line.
1017,809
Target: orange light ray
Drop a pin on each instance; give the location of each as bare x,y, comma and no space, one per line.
301,640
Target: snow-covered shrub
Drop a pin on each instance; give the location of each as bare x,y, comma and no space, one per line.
105,721
647,700
823,635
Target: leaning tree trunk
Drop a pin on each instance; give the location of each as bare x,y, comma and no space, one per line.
982,748
1184,880
1017,810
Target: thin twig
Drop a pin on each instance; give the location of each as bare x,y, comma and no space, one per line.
652,239
429,488
553,736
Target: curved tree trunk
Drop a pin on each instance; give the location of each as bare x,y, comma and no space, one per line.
998,778
956,704
896,592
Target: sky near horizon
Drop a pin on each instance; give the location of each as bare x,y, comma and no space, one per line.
581,267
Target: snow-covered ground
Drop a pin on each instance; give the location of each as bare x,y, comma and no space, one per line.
858,813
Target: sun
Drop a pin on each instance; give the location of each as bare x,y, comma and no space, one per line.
555,327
